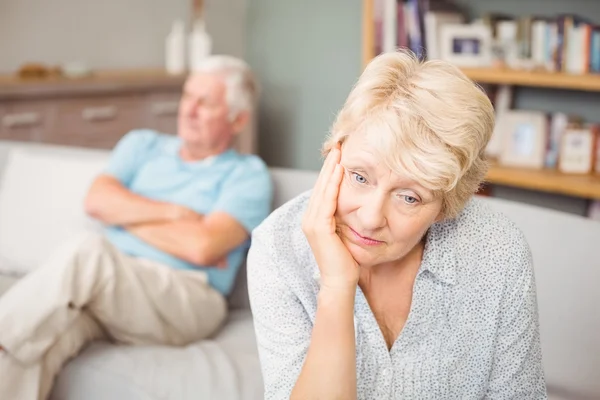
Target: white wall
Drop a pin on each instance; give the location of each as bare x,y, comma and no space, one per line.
108,33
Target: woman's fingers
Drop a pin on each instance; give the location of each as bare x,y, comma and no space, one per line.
330,195
323,180
328,167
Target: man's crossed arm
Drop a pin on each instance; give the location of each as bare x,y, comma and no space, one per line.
198,239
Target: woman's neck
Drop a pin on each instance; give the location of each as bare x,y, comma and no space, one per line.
405,268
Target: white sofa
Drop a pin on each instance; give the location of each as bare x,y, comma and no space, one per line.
41,188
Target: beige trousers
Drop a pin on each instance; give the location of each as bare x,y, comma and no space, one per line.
89,290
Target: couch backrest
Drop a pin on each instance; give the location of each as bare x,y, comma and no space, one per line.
40,206
566,255
288,183
41,195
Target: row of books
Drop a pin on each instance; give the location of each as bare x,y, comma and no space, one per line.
563,43
412,24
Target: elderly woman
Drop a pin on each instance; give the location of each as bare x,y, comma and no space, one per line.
389,280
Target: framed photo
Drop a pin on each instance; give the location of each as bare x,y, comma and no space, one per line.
466,45
577,149
502,104
524,138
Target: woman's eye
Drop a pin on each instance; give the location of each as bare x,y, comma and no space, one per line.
410,199
359,178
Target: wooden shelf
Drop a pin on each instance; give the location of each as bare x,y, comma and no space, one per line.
13,87
583,186
554,80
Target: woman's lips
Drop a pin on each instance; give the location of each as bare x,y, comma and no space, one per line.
367,241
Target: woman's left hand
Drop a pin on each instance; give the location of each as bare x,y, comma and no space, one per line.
338,268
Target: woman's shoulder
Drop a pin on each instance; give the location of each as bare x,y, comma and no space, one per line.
488,226
285,220
280,235
483,236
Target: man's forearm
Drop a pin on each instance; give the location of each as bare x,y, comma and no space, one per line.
329,371
113,204
179,238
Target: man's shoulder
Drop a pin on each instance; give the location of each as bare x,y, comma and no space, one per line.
148,140
246,169
250,163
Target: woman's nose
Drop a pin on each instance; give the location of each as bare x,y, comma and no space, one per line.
371,213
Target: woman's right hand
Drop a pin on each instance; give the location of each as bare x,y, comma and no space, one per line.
337,267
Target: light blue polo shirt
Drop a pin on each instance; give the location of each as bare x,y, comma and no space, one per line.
148,164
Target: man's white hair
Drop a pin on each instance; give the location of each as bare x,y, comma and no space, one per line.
242,88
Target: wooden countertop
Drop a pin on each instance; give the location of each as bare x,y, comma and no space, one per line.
12,86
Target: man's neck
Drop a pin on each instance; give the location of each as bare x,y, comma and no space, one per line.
197,153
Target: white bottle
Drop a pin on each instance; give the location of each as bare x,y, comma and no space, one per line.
175,49
200,44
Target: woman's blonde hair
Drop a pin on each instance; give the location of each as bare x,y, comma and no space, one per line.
426,120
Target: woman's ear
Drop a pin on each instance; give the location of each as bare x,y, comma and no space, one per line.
440,217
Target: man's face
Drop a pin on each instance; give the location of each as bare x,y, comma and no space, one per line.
381,216
204,113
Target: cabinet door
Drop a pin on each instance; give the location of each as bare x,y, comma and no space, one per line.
25,120
2,113
98,121
161,111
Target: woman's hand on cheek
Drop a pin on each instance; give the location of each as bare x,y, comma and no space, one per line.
339,271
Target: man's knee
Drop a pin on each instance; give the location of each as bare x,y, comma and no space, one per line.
84,250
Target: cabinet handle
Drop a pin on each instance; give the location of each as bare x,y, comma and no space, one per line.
166,108
21,120
99,113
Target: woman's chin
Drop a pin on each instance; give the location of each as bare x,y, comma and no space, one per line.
363,257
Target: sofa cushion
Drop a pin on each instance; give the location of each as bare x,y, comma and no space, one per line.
41,197
225,368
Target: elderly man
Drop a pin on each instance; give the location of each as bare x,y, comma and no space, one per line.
177,211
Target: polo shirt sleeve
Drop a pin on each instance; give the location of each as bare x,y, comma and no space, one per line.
129,154
247,194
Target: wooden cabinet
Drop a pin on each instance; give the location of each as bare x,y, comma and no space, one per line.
161,111
90,112
26,120
97,121
2,113
95,111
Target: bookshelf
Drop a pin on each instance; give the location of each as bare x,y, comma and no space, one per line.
583,186
552,80
549,181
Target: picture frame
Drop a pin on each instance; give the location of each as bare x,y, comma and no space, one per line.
524,138
466,45
502,102
577,150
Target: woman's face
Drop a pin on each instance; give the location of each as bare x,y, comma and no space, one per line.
380,216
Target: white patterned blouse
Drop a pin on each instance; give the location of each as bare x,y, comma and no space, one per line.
472,331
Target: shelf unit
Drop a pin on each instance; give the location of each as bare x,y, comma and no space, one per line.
552,80
550,181
584,186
